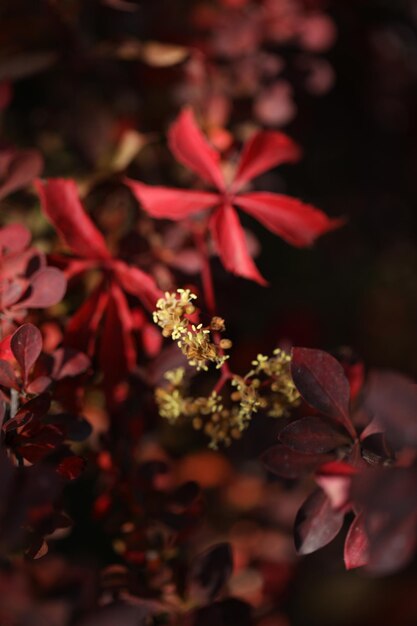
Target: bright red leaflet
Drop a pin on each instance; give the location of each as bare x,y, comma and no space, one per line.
297,223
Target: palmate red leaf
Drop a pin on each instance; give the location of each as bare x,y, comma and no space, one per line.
356,550
289,463
117,348
262,152
173,204
138,283
294,221
61,204
26,346
81,332
231,245
313,435
18,168
316,524
321,381
190,147
47,287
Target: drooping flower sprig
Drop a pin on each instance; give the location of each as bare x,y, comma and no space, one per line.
222,417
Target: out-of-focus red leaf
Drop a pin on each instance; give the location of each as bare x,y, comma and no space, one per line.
138,283
321,381
356,551
174,204
391,400
47,287
117,349
297,223
18,169
289,463
190,147
313,435
230,241
7,376
61,205
71,467
69,362
152,340
14,238
39,384
26,345
262,152
82,328
316,524
210,572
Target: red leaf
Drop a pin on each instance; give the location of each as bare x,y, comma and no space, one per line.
82,328
7,376
190,147
313,435
174,204
297,223
14,238
61,205
356,551
138,283
289,463
262,152
117,349
33,409
26,345
231,244
321,381
316,524
47,287
19,169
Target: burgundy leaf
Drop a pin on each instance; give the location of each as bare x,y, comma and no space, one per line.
7,376
391,400
321,381
316,524
289,463
71,467
26,345
69,362
356,551
313,435
14,237
32,410
47,287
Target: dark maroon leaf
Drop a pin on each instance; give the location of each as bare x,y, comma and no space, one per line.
289,463
71,467
186,494
7,376
313,435
33,409
47,287
74,427
321,381
210,572
19,169
316,524
38,385
26,345
391,399
356,551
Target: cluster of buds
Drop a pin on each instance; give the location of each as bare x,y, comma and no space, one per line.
173,313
